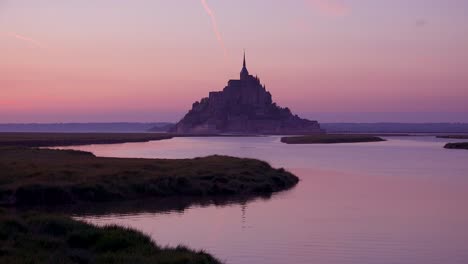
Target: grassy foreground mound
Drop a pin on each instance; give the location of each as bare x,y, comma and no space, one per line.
460,145
55,239
48,177
75,139
330,139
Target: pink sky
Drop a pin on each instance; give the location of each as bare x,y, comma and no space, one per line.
67,61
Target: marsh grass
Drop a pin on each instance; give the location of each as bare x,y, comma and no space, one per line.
47,177
39,238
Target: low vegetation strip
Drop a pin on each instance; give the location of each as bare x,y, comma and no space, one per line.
37,238
75,139
32,176
330,139
454,136
460,145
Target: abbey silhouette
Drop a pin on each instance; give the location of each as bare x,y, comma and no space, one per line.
243,107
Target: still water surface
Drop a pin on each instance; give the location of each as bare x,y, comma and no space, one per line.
400,201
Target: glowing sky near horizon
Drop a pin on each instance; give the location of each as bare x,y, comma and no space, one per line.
149,60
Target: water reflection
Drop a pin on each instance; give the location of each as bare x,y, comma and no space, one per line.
244,212
402,201
166,205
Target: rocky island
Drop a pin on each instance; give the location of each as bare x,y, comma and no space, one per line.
244,106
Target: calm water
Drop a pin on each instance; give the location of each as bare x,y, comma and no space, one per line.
400,201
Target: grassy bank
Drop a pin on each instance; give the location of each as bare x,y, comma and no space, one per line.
460,145
75,139
36,238
46,177
330,139
43,177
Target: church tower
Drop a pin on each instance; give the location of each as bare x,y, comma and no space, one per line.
244,74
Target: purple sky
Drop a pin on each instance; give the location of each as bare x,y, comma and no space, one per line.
149,60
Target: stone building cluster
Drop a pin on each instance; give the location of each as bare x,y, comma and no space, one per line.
244,106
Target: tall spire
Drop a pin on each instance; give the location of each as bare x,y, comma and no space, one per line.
244,60
244,73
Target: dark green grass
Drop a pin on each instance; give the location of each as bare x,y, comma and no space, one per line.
460,145
38,238
330,139
47,177
75,139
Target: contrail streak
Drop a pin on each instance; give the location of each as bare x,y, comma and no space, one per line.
26,39
215,26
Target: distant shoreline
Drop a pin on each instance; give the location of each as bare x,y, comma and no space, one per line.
453,136
331,139
58,139
75,139
163,127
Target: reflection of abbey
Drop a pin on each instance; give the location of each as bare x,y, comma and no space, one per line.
244,106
